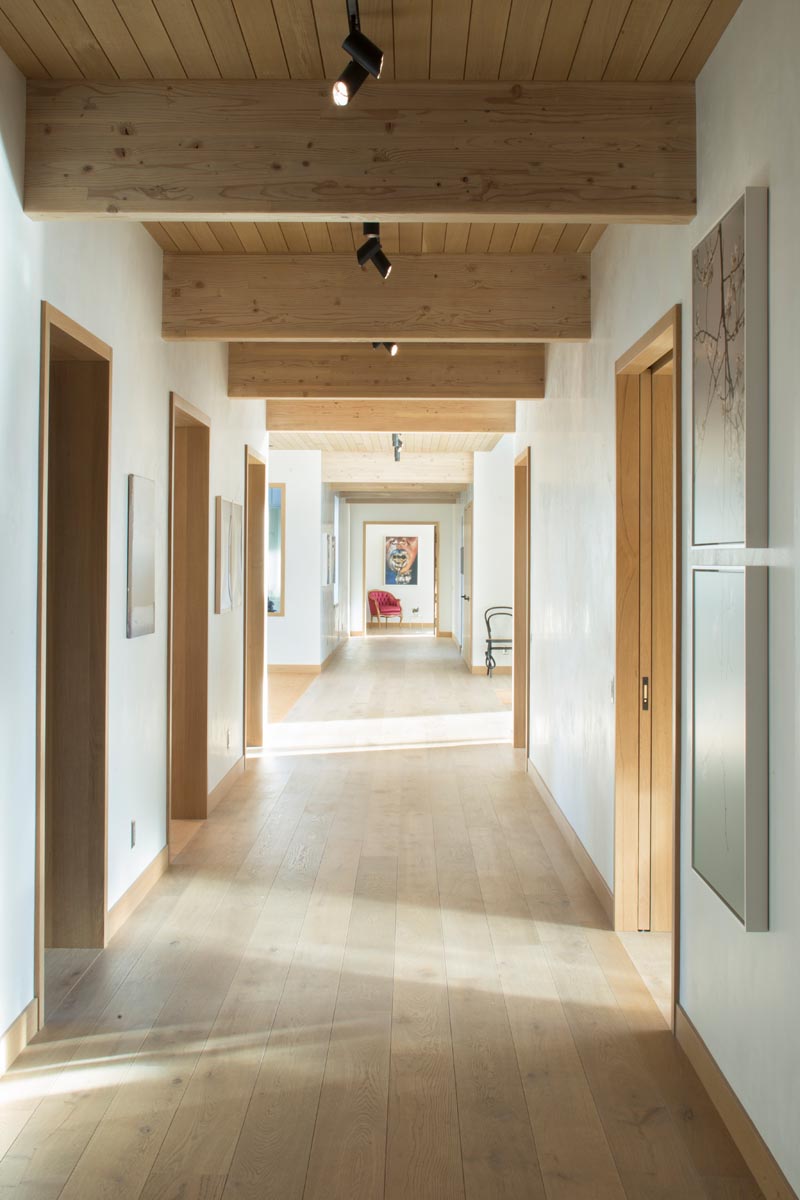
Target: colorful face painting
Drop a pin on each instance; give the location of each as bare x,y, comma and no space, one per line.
401,560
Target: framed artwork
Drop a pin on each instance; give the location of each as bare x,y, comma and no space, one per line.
401,560
276,548
729,761
229,558
730,378
329,559
141,556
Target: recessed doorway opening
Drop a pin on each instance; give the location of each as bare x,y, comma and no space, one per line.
647,809
72,711
255,597
187,748
400,571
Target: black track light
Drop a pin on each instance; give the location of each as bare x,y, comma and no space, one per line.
348,83
389,347
372,250
364,52
366,59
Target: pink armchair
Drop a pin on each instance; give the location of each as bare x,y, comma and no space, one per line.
384,604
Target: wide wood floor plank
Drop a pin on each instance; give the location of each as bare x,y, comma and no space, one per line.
348,1153
423,1153
498,1150
271,1158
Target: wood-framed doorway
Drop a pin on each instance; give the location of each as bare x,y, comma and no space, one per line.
365,617
71,908
188,613
466,595
255,597
648,641
522,601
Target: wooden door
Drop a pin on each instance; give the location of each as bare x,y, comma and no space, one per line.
436,580
645,679
466,595
76,651
522,602
255,599
189,612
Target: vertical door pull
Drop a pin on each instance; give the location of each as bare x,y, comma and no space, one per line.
645,693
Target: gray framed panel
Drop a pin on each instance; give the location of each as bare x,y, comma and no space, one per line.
730,378
141,618
730,738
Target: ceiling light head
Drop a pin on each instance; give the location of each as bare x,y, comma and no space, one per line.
348,83
381,263
367,252
364,52
390,348
371,252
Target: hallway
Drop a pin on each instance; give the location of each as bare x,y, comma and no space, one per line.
369,974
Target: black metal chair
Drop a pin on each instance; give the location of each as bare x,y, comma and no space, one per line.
498,629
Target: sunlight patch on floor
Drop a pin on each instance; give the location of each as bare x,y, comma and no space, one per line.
377,733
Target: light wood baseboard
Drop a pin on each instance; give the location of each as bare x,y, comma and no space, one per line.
444,633
752,1147
329,660
18,1034
356,633
293,669
128,901
481,670
582,855
225,784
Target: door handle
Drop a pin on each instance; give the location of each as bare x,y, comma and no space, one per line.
645,693
463,597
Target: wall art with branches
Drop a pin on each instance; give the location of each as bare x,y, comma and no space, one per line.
729,333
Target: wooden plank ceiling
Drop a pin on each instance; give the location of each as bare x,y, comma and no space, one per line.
379,443
547,40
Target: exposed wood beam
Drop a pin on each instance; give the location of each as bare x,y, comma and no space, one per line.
431,469
381,416
280,149
427,298
401,497
421,371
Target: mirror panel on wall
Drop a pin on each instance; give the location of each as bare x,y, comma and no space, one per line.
276,549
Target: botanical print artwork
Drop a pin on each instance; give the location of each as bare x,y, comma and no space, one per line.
401,560
718,304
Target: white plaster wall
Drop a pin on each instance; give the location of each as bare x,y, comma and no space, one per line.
492,539
108,278
739,989
295,638
411,596
402,515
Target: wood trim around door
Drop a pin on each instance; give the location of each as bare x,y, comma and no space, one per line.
522,601
648,355
253,458
437,543
181,413
52,322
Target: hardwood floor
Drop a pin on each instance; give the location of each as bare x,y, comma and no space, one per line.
369,974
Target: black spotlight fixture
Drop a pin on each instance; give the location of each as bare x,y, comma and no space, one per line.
397,443
366,59
389,347
372,251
